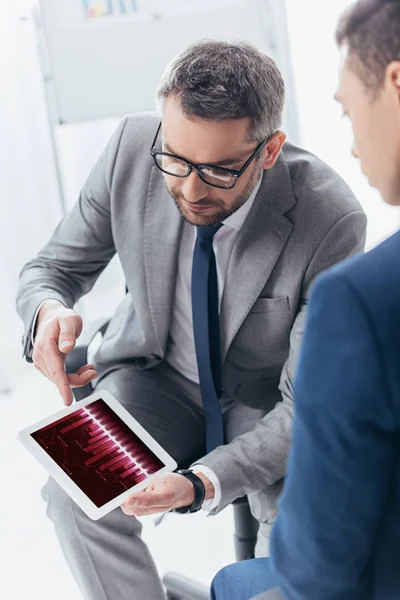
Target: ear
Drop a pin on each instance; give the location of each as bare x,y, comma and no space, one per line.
393,77
273,149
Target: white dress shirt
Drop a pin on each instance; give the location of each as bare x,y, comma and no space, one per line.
181,352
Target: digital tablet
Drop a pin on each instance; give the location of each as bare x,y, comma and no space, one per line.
97,452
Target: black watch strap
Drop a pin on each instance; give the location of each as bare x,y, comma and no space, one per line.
199,493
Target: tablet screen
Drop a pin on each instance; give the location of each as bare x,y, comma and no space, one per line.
98,451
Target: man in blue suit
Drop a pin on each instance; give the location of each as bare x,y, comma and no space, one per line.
337,536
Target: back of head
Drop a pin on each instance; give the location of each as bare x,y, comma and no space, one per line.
218,81
371,31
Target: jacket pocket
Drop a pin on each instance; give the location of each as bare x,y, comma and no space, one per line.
263,305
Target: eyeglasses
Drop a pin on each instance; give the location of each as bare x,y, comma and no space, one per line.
213,175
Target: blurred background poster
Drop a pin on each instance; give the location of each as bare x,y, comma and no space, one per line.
98,9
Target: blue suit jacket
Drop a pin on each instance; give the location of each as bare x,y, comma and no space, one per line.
337,536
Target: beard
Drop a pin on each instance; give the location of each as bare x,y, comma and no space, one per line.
221,211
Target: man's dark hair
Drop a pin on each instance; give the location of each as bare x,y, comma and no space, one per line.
371,29
219,80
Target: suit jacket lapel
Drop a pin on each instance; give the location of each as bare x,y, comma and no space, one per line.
162,232
256,250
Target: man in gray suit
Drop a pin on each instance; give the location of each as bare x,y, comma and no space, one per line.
221,228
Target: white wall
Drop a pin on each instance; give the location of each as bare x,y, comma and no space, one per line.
28,192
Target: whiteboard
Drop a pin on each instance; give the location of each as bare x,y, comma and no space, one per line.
101,65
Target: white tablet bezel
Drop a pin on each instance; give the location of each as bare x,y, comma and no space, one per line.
72,489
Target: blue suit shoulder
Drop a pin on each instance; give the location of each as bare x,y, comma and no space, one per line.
375,275
370,283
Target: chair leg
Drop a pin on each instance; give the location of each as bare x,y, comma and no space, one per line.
246,530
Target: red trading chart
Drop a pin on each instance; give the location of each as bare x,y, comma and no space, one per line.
98,451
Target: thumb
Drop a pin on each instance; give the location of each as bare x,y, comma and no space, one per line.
70,328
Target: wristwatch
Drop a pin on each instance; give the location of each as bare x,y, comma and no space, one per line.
199,493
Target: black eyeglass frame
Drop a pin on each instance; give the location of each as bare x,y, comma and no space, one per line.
236,174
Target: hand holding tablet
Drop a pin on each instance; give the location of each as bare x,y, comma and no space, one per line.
97,452
166,492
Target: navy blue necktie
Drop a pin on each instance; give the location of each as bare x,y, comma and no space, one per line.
206,332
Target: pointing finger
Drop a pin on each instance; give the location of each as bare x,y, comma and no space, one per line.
56,373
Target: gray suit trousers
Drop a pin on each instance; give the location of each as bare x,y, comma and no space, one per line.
107,557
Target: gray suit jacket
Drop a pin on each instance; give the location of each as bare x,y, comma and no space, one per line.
303,220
